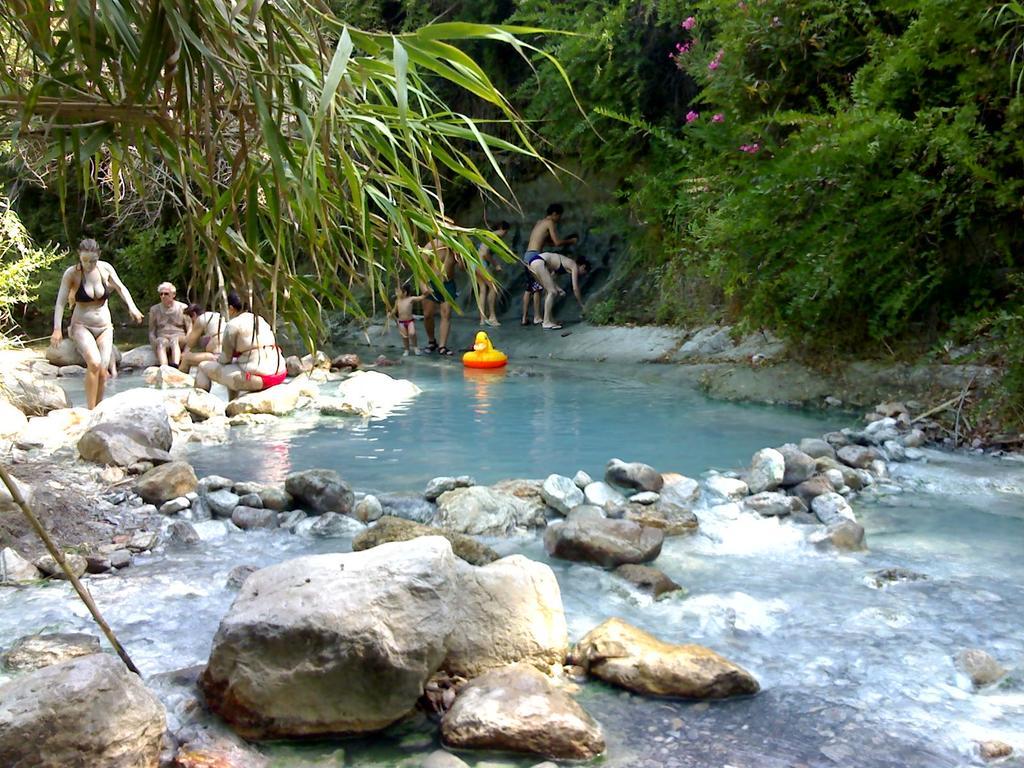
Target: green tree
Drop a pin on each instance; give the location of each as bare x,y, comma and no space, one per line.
305,157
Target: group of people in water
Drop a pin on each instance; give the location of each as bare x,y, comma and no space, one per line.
239,351
542,267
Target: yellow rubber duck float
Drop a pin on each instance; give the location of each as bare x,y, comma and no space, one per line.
483,354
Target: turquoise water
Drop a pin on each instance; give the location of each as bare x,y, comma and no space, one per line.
524,422
852,674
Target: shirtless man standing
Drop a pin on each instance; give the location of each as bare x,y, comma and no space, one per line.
443,262
544,232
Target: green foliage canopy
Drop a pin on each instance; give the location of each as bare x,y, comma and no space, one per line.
305,156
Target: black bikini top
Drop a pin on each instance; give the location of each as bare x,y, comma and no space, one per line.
81,295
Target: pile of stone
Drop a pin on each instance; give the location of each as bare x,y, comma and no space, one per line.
813,481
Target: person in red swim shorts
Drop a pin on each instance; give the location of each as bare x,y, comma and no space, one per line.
250,359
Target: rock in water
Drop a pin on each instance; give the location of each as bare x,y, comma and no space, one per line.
320,490
560,493
799,466
519,709
439,485
641,477
32,396
979,666
131,427
648,579
344,643
609,543
139,357
480,511
621,654
83,713
767,469
508,611
14,568
390,528
37,651
166,482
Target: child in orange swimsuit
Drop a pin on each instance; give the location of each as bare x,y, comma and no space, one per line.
406,324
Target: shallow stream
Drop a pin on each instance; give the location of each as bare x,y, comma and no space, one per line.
853,673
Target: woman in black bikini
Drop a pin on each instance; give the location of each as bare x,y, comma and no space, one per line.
544,267
87,286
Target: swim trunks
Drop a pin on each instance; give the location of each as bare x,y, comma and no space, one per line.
532,286
449,286
268,380
531,256
405,323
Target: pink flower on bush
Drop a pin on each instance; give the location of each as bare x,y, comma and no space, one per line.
718,117
717,61
691,116
689,23
750,149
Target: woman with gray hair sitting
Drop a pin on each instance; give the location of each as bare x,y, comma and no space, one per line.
168,326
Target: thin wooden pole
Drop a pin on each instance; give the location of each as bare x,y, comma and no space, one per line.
59,557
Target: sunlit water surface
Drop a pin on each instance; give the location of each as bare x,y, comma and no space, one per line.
852,674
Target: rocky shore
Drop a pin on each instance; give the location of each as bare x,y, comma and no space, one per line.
421,617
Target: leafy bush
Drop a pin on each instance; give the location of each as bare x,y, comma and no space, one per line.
20,262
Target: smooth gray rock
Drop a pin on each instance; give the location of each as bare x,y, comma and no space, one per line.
174,506
250,500
238,575
979,666
608,543
38,651
799,466
647,579
320,490
331,525
809,490
277,498
82,713
440,485
181,533
168,481
769,504
635,475
517,708
815,447
481,511
51,568
857,456
600,493
844,535
14,568
728,488
360,633
221,503
211,483
561,493
368,509
390,528
252,518
831,507
582,479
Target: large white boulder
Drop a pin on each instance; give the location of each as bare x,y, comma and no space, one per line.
344,643
12,420
767,468
60,427
31,395
129,427
482,511
516,708
374,393
83,713
276,401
